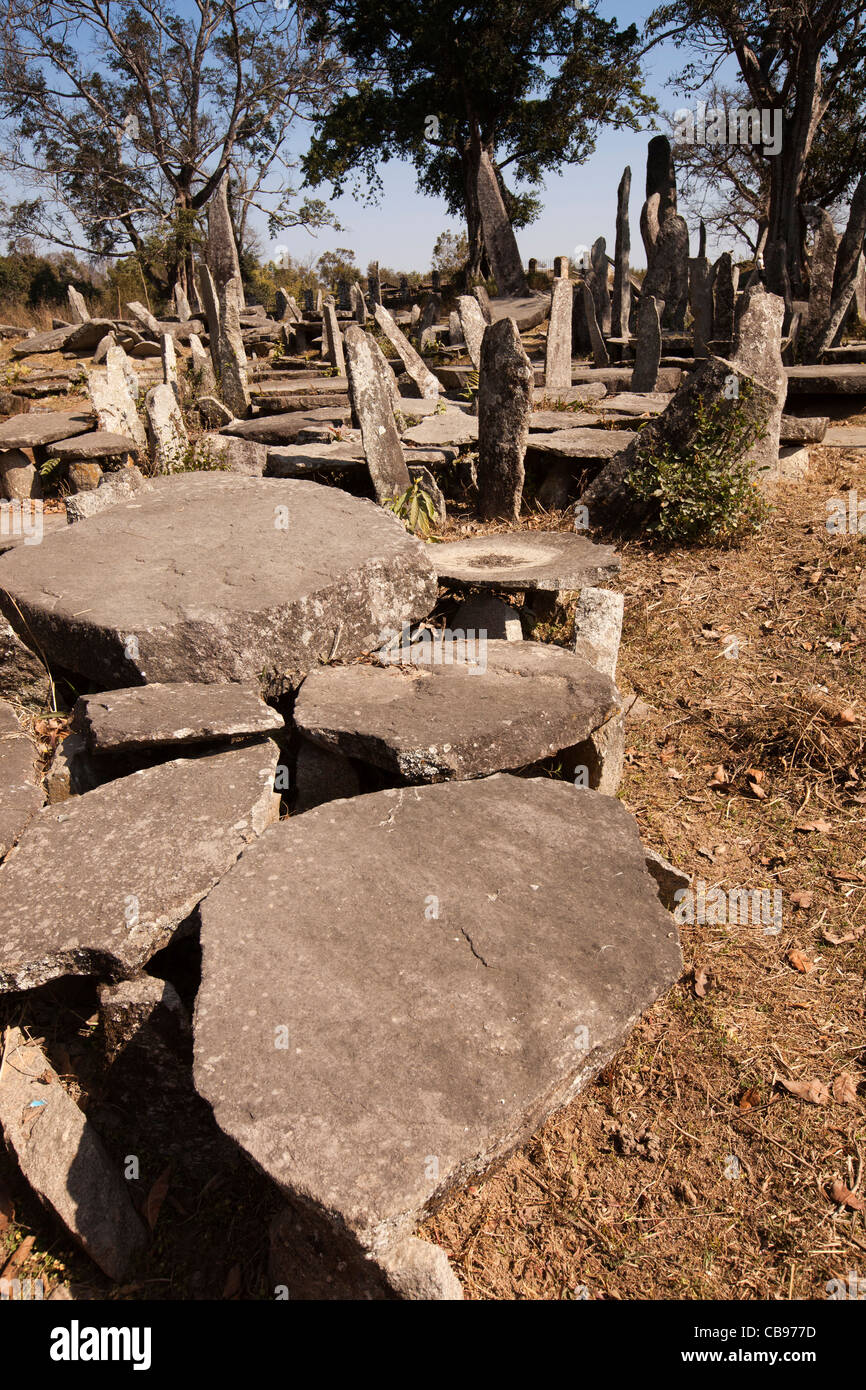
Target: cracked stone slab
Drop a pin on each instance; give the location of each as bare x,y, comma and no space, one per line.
547,560
450,427
42,427
149,716
284,429
485,707
581,443
422,1016
98,883
213,577
64,1160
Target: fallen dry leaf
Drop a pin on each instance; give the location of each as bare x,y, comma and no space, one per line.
701,981
156,1196
802,899
820,827
719,778
813,1091
842,940
800,961
845,1089
847,716
845,1197
749,1098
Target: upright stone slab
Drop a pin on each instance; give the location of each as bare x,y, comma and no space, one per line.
78,311
473,325
557,358
700,303
244,576
483,298
202,367
386,371
597,281
211,306
621,306
758,352
725,279
420,373
113,394
181,303
169,363
375,415
599,352
560,267
455,329
222,251
499,239
667,276
374,291
359,308
822,266
453,1037
234,384
333,339
506,379
648,350
166,431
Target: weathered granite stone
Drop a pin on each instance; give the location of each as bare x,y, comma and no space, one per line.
71,771
167,434
181,303
596,279
610,501
18,478
758,351
178,712
359,307
499,240
334,339
455,329
599,351
449,1036
802,429
83,476
42,427
229,455
581,442
452,427
99,444
321,774
144,319
169,363
137,1010
598,618
621,306
53,341
419,372
551,561
667,278
222,251
84,337
483,300
64,1160
121,486
22,674
725,278
243,575
82,895
505,387
701,303
459,709
213,414
78,311
557,359
100,352
374,411
473,324
234,383
492,617
21,795
648,349
114,394
210,304
392,388
822,266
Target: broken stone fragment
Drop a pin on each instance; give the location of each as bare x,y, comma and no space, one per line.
21,795
669,878
455,1036
121,486
63,1159
134,1009
181,712
98,883
71,772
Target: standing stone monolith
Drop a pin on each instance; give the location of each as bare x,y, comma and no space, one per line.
202,367
665,236
374,290
282,311
506,379
113,392
181,303
222,251
758,352
499,239
359,308
700,303
560,267
621,284
78,311
596,279
822,266
210,304
234,385
166,431
725,277
169,363
557,358
333,339
420,373
648,349
473,326
372,408
599,351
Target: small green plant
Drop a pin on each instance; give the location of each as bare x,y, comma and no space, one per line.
415,508
441,408
198,457
51,470
470,390
704,493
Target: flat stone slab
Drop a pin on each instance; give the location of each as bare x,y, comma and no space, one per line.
505,705
582,443
836,378
150,716
96,445
213,577
64,1160
294,460
451,427
547,560
528,311
638,403
98,883
438,1013
546,421
51,521
52,341
42,427
285,428
617,380
845,437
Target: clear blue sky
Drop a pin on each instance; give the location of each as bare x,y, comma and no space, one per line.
578,205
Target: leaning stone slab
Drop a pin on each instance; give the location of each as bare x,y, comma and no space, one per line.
600,354
42,427
243,575
499,239
64,1160
504,405
373,410
99,883
333,339
455,1036
546,560
415,366
285,428
144,319
232,357
78,310
456,709
473,324
182,712
166,430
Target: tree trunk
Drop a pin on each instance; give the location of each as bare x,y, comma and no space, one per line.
470,158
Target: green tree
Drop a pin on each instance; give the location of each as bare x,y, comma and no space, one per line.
436,84
334,266
450,253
